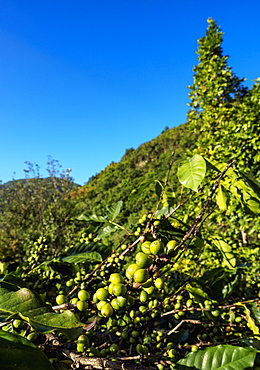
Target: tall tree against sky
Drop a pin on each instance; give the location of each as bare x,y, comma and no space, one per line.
224,111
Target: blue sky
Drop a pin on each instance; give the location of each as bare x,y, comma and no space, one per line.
82,81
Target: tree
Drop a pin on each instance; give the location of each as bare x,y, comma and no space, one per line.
225,115
223,111
36,207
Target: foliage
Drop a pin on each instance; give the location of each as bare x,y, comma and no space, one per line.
223,112
165,296
155,261
36,207
225,116
145,165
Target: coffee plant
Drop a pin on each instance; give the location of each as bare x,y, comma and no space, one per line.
173,294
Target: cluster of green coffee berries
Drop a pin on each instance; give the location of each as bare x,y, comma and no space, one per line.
88,237
114,295
38,252
111,297
81,301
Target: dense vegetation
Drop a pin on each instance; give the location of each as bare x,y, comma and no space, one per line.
155,261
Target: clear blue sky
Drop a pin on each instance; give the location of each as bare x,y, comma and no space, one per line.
84,80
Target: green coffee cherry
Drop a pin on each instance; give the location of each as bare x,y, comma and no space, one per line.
131,270
17,323
82,343
83,295
143,296
143,260
107,310
141,275
114,348
159,282
157,247
82,305
119,289
32,336
102,294
61,299
116,278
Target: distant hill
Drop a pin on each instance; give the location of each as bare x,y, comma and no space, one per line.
47,185
28,181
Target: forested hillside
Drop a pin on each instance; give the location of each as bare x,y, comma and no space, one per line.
149,163
154,263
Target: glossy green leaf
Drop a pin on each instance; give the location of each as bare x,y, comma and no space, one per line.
114,210
31,308
256,312
83,257
253,183
17,352
222,357
220,281
106,230
199,295
136,192
250,320
16,338
254,205
229,259
192,172
221,199
158,188
88,247
95,218
169,197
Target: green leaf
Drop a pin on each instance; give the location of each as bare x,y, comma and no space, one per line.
199,295
252,183
101,248
32,309
114,210
82,218
250,320
220,281
163,211
221,199
192,172
254,205
136,192
15,280
95,218
256,311
158,188
226,250
222,357
106,230
16,338
168,197
83,257
17,352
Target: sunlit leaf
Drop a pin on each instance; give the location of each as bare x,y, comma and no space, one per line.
221,199
253,183
31,308
250,320
254,205
192,172
106,230
222,357
229,259
83,257
95,218
114,210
